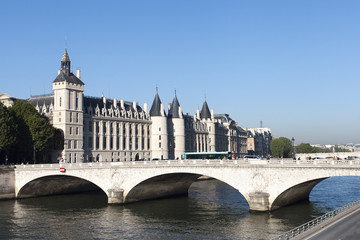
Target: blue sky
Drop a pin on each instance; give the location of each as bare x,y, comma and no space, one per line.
292,64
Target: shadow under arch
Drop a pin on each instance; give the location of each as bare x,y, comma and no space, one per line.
297,193
55,185
168,185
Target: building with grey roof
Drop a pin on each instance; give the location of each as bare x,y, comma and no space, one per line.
101,129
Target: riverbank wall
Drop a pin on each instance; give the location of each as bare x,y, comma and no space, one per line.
7,182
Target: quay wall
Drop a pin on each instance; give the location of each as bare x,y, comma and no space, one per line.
341,155
7,182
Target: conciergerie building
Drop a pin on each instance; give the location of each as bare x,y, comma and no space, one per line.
101,129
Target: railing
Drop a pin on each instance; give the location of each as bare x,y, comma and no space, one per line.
315,222
238,162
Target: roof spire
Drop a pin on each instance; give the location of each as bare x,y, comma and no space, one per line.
65,61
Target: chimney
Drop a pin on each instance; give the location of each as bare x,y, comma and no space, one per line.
145,107
122,104
162,109
180,112
78,74
115,103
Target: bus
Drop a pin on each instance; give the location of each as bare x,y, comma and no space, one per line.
208,155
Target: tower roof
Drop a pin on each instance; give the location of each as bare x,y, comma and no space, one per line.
65,57
71,78
205,112
174,109
65,74
156,107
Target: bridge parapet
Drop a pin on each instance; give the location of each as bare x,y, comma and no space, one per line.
229,163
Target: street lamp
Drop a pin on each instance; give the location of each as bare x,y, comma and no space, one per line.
293,144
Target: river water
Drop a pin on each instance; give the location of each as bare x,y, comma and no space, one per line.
213,210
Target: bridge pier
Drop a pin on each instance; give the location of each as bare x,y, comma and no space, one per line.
115,196
259,201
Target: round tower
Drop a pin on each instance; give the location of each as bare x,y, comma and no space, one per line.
159,136
176,130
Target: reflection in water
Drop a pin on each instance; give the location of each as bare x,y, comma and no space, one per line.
212,210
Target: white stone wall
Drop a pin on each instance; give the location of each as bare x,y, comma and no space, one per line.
159,138
179,136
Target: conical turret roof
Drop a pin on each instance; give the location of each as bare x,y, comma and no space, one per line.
156,107
174,109
205,112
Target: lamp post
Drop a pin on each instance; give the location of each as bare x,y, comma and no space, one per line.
293,145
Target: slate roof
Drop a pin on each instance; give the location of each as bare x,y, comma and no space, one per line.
205,112
156,106
71,78
41,100
174,109
223,117
98,101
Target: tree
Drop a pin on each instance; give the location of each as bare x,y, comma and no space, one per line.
339,149
7,130
281,147
42,133
304,148
37,132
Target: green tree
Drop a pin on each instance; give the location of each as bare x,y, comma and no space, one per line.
304,148
281,147
339,149
37,131
7,131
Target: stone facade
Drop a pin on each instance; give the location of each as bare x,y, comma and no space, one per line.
108,130
258,141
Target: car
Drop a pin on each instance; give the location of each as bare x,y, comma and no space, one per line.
318,158
252,157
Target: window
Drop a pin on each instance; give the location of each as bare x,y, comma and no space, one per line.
60,102
159,129
77,131
90,126
70,130
77,117
75,144
159,137
90,142
159,144
70,117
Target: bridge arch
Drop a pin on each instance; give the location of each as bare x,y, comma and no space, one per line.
56,184
172,183
160,186
295,193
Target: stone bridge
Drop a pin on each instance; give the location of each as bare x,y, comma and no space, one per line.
266,185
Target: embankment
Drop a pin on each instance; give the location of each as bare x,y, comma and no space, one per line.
7,182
